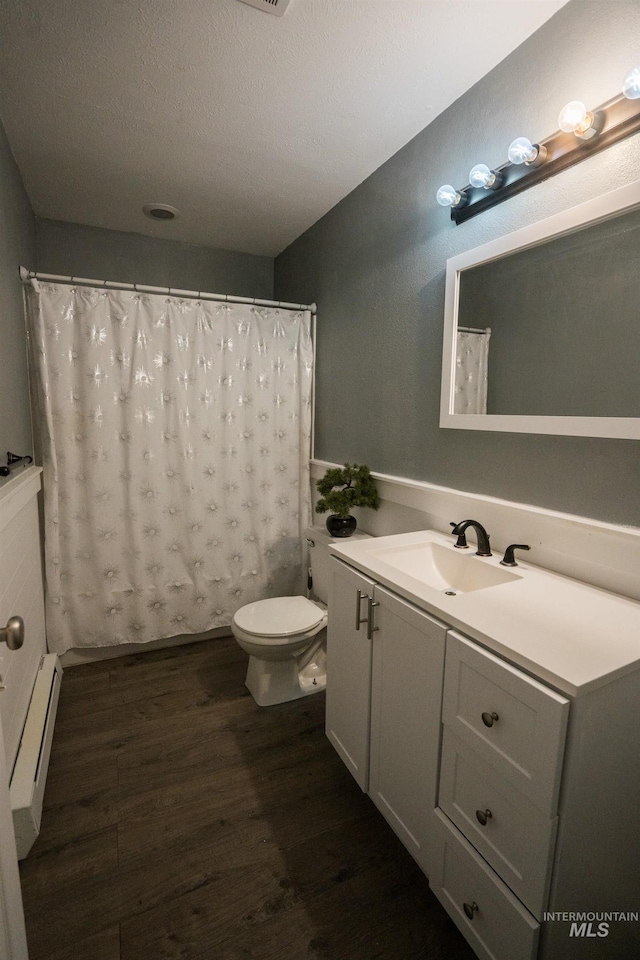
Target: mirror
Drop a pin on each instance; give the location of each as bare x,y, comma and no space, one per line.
542,327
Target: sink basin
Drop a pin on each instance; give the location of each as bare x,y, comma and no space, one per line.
444,568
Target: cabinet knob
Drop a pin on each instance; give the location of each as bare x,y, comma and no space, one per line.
489,719
470,909
482,816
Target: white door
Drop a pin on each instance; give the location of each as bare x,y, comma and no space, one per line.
21,593
13,938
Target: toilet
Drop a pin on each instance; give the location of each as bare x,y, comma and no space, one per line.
285,637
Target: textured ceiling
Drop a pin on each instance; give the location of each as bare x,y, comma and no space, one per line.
253,126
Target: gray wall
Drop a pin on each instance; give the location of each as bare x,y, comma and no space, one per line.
70,249
17,246
375,265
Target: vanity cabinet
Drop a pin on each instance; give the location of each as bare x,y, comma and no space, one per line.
517,799
384,667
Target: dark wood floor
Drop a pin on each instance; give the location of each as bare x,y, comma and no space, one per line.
182,821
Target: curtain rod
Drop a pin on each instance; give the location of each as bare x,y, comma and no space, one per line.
171,291
474,329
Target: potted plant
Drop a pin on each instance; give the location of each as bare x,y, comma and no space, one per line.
341,489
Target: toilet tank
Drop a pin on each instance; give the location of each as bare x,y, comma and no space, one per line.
319,539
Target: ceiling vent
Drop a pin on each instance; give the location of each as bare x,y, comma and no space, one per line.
276,7
159,211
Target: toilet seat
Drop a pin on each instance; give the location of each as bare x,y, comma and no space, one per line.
280,619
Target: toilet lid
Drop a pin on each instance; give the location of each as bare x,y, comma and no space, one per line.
279,616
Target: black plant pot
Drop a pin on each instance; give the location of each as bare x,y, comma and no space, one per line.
341,526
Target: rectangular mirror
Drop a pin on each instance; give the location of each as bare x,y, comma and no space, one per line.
542,327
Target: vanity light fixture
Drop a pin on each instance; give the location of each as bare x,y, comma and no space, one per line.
582,133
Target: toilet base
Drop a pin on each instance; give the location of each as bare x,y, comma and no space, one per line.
278,681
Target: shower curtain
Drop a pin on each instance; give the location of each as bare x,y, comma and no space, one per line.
472,371
175,440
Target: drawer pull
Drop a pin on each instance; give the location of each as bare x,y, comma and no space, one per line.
489,718
482,816
470,909
359,598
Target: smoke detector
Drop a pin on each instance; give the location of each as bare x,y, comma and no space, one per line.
276,7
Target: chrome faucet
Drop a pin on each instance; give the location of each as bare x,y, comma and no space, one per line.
459,530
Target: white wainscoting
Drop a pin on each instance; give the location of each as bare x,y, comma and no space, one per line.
606,555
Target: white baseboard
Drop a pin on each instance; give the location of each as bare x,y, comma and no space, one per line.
606,555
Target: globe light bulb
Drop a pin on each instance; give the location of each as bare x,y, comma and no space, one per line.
448,196
482,176
521,150
631,84
575,118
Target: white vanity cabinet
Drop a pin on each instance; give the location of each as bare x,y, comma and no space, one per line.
518,796
384,693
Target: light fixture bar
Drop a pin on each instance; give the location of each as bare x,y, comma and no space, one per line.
619,118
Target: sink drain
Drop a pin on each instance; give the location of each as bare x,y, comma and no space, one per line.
450,593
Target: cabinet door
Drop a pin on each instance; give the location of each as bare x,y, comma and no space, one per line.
349,669
406,695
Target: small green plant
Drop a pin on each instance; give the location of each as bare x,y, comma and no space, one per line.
357,488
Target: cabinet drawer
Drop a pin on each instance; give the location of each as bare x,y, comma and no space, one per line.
499,927
514,837
515,723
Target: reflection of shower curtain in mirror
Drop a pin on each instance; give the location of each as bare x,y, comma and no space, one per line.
472,368
176,457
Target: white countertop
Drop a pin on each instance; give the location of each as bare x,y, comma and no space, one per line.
574,636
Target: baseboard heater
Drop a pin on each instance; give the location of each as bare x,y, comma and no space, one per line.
32,761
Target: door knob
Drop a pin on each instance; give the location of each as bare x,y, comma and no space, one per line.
13,633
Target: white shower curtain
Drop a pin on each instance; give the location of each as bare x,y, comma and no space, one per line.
472,371
175,436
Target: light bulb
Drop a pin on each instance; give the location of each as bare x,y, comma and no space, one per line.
522,150
575,118
482,176
631,85
448,196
